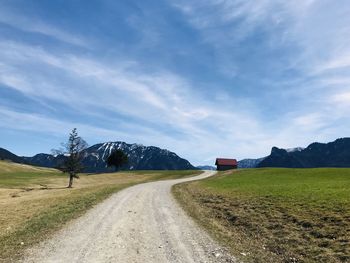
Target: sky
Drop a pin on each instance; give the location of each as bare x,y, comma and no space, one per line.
205,79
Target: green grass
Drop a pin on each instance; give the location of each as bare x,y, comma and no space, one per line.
23,179
13,175
276,215
314,185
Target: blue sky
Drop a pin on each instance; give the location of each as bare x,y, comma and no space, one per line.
201,78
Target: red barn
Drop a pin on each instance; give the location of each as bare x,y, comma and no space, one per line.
223,164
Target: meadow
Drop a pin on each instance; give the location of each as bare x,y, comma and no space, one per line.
34,201
275,214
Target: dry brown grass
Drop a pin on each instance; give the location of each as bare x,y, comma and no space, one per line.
20,204
6,166
34,202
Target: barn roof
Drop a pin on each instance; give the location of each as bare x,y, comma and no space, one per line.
224,161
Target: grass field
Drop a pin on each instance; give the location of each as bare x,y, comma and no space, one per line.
275,215
34,202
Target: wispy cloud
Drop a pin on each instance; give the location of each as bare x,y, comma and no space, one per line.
342,98
241,18
275,73
34,25
160,98
318,31
303,50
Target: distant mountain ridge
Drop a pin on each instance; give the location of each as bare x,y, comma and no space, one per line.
44,160
7,155
249,163
206,167
332,154
140,158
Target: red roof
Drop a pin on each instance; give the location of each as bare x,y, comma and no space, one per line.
223,161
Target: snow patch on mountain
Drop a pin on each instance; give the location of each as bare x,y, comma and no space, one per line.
296,149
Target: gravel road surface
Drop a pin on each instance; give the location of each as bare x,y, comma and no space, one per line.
142,223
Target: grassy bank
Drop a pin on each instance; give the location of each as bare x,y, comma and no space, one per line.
275,215
34,202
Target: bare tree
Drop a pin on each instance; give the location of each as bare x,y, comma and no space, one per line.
73,152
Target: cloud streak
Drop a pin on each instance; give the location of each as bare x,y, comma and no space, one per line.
36,26
269,79
162,97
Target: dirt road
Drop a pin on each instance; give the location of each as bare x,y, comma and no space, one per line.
142,223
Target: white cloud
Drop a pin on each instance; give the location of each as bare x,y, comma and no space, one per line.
336,62
312,121
160,99
34,25
239,18
312,38
342,98
170,111
319,30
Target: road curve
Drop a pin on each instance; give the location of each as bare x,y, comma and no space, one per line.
142,223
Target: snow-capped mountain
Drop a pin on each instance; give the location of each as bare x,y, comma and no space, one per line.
140,158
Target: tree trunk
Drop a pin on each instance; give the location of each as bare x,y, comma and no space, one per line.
70,181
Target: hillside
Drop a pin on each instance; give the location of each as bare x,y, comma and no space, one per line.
7,155
333,154
12,167
249,163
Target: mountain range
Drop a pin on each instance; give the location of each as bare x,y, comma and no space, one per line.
332,154
140,158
